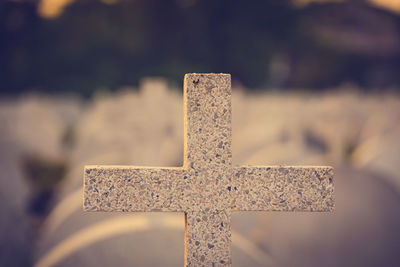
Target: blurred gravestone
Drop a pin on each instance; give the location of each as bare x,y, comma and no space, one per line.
268,128
363,230
147,120
32,129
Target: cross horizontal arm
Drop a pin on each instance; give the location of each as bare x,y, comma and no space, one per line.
120,188
283,189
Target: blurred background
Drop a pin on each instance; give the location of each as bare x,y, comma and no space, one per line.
315,82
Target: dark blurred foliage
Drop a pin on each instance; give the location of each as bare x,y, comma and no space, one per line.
261,43
44,175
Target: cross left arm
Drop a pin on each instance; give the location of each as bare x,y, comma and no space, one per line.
123,188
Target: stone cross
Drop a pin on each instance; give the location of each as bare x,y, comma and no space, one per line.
207,188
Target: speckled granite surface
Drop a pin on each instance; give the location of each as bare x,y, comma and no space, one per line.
208,188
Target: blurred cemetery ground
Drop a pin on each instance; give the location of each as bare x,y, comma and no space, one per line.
315,82
46,141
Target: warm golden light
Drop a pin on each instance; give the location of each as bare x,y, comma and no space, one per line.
392,5
52,8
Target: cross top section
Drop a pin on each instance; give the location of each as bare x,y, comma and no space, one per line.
207,188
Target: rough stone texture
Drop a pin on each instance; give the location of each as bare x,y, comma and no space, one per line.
207,188
283,188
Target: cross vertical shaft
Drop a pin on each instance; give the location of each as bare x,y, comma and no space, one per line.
208,160
207,120
208,238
